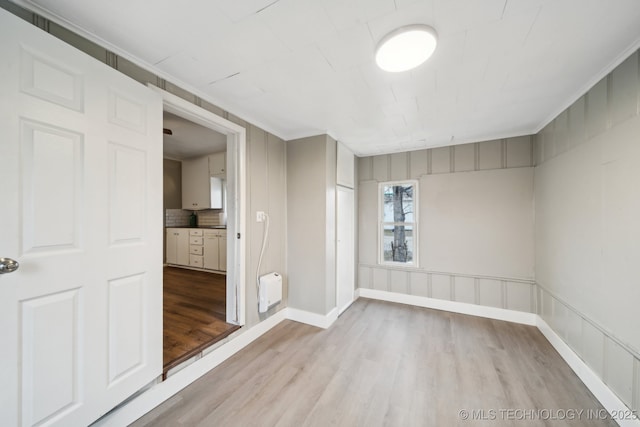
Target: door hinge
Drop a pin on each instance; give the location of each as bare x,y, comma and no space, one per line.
238,235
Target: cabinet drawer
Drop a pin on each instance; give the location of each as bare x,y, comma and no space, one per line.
195,261
196,250
196,240
212,234
195,232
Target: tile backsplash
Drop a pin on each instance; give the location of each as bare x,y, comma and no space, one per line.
180,217
211,217
176,217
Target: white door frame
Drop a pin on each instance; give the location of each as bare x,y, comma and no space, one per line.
236,167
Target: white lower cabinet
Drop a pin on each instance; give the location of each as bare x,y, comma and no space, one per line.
197,247
178,246
215,250
222,251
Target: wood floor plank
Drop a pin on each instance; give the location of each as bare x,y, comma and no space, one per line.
384,364
194,313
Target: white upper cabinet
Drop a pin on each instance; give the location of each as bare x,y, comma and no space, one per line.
218,164
217,192
196,192
202,182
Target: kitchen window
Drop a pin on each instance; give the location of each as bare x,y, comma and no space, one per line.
398,229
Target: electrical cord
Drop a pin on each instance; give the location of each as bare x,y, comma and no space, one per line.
264,245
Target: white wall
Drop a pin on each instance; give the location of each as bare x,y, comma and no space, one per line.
475,229
587,189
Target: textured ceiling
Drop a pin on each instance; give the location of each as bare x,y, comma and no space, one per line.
303,67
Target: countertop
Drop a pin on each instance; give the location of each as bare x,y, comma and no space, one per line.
209,227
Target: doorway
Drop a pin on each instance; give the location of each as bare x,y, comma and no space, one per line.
203,301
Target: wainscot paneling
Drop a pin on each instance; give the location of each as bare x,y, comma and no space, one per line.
615,363
512,294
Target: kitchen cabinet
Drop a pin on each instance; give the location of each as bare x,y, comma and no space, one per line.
218,164
222,251
196,191
215,250
217,193
202,182
197,248
178,246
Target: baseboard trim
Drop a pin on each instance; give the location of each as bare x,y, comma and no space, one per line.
607,398
452,306
160,392
612,404
313,319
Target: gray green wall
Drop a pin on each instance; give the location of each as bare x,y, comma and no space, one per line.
587,192
475,241
172,184
311,214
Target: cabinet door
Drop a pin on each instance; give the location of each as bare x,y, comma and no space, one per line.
217,193
217,164
195,184
172,246
222,252
211,260
182,246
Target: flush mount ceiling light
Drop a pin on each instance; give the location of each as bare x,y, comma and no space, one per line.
406,48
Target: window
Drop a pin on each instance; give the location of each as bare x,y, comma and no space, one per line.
398,222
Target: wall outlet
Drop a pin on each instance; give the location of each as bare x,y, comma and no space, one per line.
261,216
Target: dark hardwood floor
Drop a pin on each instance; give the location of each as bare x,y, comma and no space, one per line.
194,313
386,364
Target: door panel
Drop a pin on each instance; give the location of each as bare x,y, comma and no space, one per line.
51,191
51,80
50,345
81,319
127,170
126,326
127,112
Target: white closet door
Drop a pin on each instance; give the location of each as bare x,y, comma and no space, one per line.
81,211
345,254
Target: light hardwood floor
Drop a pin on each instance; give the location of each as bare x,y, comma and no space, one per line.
385,364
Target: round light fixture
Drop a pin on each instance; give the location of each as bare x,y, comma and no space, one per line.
406,48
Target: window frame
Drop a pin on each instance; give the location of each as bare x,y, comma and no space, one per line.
381,224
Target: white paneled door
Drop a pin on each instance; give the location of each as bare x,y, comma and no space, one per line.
345,252
81,211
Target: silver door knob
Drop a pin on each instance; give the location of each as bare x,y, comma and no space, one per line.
8,265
